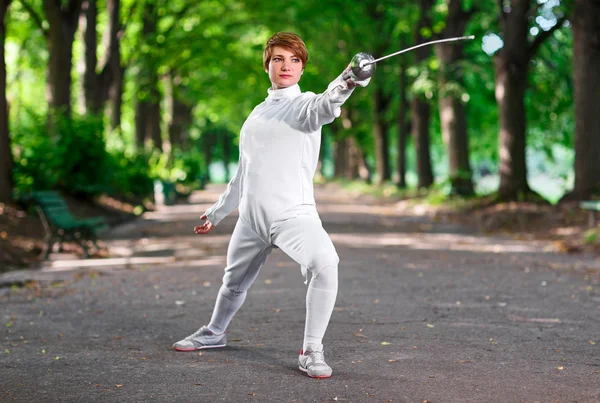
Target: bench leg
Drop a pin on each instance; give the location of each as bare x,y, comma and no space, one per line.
592,219
82,241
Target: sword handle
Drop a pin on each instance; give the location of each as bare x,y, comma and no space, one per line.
359,70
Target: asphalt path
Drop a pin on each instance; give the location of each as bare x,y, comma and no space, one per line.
427,311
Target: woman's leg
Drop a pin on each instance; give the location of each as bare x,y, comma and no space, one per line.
304,240
245,256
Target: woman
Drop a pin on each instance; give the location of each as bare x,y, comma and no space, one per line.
273,189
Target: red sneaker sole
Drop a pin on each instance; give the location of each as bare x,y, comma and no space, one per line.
196,349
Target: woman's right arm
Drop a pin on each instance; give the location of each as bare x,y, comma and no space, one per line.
230,199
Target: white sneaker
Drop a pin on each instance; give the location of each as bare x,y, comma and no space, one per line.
200,340
312,361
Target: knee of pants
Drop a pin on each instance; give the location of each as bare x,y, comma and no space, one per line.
230,293
326,278
322,260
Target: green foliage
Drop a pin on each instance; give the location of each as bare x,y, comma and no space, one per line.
214,50
73,159
591,235
185,167
129,174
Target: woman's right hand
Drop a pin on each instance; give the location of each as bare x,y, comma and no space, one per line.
204,228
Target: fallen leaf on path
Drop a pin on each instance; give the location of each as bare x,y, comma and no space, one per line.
360,335
236,339
385,343
593,343
392,360
429,325
463,361
251,394
376,301
267,281
560,368
118,385
260,344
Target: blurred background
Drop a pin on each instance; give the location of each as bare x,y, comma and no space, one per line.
107,97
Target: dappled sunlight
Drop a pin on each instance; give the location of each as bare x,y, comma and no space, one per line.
118,264
180,211
438,242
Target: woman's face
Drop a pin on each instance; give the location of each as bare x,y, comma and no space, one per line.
285,68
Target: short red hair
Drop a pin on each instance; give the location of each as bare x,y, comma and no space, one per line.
288,41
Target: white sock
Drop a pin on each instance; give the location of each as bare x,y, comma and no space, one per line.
227,304
320,300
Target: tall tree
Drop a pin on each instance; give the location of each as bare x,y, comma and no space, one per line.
96,85
381,102
403,126
452,109
511,64
6,183
147,111
181,108
586,40
62,18
419,106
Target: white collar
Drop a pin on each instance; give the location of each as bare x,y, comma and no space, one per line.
289,92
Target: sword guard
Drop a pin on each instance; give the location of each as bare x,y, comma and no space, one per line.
359,69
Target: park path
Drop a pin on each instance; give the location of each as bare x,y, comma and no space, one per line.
427,311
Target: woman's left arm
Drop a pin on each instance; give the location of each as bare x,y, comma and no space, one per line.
316,110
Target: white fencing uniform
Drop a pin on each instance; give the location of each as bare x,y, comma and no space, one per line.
273,189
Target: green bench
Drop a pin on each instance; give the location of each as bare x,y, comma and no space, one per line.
61,226
593,207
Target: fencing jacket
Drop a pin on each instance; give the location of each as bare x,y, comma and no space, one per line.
279,152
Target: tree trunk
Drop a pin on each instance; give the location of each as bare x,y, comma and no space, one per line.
181,116
141,117
96,85
115,94
208,141
148,97
227,142
452,110
148,120
341,158
511,65
89,18
420,113
154,122
586,42
381,136
356,165
420,109
62,18
6,183
403,128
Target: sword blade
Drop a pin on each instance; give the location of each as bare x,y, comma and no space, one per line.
460,38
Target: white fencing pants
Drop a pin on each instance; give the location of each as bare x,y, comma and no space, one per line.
303,239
